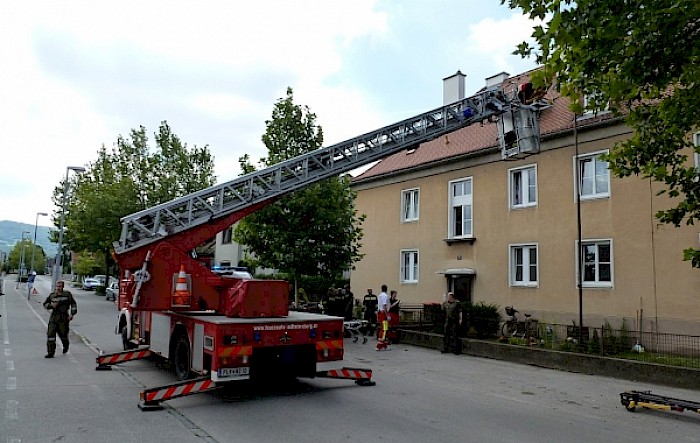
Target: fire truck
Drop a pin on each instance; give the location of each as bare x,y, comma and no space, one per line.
224,327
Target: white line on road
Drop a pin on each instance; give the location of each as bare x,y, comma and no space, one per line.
10,365
11,383
12,410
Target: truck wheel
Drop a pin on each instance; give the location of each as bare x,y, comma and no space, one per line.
181,358
125,340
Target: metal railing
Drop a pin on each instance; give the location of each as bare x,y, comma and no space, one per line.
662,348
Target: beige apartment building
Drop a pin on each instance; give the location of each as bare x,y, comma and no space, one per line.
453,215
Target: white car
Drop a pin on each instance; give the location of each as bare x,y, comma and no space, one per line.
112,291
91,283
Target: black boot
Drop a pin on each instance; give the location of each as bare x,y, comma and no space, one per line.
50,349
65,347
49,355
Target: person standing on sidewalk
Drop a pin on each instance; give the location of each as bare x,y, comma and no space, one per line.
383,318
63,308
453,318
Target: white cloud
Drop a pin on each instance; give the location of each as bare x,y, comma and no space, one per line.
78,74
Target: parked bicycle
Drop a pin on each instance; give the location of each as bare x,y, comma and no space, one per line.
520,329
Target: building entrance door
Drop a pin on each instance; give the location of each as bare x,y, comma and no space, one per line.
461,287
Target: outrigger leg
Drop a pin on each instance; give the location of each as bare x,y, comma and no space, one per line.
105,362
645,399
362,377
151,398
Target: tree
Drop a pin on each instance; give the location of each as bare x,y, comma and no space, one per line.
641,59
312,232
127,179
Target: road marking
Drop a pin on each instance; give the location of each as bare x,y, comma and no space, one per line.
8,352
12,410
3,312
11,383
10,365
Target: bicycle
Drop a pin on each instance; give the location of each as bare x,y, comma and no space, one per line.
519,329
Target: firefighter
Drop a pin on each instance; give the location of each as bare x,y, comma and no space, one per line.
370,311
63,308
453,319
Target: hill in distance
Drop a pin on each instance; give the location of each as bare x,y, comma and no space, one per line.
11,233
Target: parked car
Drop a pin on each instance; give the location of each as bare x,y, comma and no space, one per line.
101,278
90,283
112,291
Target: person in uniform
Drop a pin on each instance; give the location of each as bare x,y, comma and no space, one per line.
453,318
370,311
63,308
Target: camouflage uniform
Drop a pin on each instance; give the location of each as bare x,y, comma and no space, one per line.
63,307
453,312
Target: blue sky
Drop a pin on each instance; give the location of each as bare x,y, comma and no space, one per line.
78,74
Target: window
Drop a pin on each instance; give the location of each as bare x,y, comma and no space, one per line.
594,176
227,236
460,217
409,205
597,263
523,187
409,266
590,100
523,265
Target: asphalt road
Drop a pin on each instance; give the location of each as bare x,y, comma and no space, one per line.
420,396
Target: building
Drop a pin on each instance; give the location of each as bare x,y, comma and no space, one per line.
452,214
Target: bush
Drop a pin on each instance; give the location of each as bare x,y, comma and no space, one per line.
480,320
435,315
100,290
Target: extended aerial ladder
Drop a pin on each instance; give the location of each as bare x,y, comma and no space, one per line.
220,206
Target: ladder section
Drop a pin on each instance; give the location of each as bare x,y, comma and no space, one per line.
185,213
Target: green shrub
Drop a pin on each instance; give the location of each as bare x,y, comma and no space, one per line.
100,290
481,319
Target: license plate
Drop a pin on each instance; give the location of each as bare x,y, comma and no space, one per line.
234,372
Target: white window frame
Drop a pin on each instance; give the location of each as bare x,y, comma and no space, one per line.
588,113
410,205
525,249
227,236
525,185
578,173
597,283
461,201
408,272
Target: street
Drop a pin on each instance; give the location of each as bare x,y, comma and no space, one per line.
420,396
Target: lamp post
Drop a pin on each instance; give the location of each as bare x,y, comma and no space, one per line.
21,260
59,254
31,265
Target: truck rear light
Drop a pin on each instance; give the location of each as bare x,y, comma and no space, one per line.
244,359
325,353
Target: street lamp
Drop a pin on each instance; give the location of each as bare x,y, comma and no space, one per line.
36,223
21,260
59,254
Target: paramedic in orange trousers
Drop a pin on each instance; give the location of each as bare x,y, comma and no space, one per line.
383,317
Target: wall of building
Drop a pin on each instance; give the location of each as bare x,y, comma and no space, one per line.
650,279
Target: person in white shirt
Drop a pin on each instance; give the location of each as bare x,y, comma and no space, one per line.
382,317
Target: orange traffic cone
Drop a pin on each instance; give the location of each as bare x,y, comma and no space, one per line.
181,295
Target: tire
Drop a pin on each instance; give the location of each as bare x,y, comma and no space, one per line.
506,330
181,358
126,344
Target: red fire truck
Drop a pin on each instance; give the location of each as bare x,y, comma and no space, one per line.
226,327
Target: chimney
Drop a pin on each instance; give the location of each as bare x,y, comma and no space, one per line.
497,79
453,88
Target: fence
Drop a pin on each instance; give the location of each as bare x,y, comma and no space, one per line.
662,348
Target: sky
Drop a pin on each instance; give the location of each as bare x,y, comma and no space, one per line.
76,75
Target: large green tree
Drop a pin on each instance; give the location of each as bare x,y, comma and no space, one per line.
311,232
130,177
641,60
14,258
